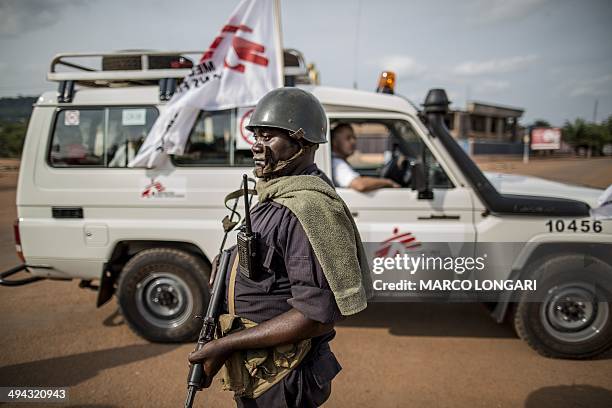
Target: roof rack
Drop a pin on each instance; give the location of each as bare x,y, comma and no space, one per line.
138,67
122,66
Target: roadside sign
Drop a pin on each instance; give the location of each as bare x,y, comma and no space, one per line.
545,138
244,137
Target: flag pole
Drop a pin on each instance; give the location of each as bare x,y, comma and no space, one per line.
279,42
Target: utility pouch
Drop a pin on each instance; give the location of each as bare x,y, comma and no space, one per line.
250,373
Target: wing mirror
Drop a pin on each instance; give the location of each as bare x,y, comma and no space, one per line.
420,181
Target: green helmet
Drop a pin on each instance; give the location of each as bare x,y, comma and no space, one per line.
293,110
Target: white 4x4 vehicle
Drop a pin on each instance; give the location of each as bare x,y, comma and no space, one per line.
149,235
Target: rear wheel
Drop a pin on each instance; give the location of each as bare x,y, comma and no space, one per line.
160,290
574,319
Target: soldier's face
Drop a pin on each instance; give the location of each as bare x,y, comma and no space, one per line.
279,145
344,142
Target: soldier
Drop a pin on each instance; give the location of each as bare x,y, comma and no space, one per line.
281,315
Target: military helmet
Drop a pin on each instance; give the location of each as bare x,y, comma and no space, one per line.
291,109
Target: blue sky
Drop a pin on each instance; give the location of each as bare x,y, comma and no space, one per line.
552,58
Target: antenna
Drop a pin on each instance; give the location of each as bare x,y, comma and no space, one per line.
247,216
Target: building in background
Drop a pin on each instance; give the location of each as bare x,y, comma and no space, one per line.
486,122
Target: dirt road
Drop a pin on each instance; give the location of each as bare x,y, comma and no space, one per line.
595,172
394,355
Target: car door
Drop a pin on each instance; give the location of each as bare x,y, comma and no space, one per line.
391,217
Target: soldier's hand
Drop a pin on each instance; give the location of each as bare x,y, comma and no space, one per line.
212,357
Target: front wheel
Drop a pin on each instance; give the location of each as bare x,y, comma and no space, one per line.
160,291
574,318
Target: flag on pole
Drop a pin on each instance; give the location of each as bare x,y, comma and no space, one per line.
241,65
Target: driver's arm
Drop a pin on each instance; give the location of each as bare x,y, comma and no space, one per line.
346,177
364,184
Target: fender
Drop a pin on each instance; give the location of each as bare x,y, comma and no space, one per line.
543,247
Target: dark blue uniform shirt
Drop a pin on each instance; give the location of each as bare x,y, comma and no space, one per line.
290,277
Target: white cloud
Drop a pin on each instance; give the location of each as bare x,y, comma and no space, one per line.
20,16
592,87
494,66
403,65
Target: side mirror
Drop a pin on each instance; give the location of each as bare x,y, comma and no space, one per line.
420,182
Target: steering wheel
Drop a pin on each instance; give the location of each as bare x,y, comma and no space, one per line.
397,170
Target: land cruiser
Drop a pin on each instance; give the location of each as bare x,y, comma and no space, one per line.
148,236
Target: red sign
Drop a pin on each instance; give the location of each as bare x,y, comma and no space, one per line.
545,138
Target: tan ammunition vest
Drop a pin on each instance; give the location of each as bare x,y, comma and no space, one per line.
249,373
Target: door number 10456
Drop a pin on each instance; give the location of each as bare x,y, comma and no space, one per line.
574,225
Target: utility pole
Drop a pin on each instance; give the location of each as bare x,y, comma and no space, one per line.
356,51
526,141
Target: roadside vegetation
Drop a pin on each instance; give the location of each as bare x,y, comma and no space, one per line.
14,116
595,138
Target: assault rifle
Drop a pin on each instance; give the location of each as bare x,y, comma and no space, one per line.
196,377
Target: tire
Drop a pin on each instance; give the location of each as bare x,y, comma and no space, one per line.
160,290
572,318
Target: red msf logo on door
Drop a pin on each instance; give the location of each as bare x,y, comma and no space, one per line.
242,50
397,244
153,188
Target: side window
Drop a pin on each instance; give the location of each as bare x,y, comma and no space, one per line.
372,141
212,142
127,130
413,143
99,137
388,148
78,138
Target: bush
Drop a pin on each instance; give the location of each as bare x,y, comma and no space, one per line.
594,136
12,135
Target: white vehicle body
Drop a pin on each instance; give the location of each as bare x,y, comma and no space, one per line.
116,221
114,210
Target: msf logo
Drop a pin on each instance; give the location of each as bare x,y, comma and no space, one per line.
243,50
398,243
153,189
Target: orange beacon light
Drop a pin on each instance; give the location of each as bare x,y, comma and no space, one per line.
386,82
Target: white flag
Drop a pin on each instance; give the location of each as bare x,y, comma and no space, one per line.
242,64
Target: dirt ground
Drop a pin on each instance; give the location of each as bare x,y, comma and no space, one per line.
394,355
595,172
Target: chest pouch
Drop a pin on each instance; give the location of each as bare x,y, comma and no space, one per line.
250,373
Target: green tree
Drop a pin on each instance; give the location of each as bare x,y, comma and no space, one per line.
607,125
12,135
540,123
591,136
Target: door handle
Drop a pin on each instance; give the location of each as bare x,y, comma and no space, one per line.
440,217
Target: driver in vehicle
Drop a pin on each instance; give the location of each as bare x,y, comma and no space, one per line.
343,146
